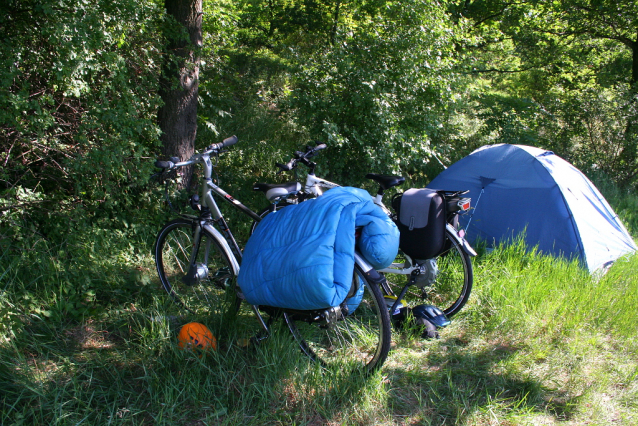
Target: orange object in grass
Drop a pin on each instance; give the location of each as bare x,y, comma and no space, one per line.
196,336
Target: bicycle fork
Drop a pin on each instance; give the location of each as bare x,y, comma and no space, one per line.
196,272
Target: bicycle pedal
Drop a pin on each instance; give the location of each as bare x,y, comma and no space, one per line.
256,340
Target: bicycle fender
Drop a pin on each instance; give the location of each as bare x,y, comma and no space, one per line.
467,248
371,274
225,246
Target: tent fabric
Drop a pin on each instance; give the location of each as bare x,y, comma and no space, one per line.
516,188
302,256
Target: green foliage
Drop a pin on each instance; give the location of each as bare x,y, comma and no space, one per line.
567,70
81,277
376,95
77,108
391,87
388,85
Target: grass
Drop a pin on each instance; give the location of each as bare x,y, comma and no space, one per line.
88,337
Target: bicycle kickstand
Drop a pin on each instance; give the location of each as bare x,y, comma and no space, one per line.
413,277
262,334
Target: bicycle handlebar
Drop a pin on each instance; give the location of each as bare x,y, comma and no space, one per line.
164,164
301,157
226,142
214,148
288,166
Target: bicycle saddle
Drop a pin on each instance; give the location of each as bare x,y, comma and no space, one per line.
386,181
274,191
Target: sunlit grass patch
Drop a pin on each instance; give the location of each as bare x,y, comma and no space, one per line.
539,342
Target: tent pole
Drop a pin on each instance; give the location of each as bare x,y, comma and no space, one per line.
477,203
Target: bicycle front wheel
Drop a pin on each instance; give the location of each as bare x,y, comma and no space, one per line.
358,339
207,285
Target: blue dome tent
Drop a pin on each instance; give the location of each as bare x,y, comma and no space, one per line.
517,188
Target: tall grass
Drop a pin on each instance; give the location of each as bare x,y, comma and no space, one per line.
624,201
128,370
537,293
89,337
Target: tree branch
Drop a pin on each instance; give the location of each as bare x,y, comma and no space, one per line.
24,204
496,70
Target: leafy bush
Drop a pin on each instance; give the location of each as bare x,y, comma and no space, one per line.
377,94
77,109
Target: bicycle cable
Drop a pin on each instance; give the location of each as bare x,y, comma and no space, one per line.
168,199
216,181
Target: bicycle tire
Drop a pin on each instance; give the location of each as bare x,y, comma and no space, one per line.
453,284
214,289
359,340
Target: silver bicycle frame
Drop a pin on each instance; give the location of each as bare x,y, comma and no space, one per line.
225,237
317,186
208,200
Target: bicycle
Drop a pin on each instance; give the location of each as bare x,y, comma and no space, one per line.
198,260
446,281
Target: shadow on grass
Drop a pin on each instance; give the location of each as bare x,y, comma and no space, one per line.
455,383
128,369
124,368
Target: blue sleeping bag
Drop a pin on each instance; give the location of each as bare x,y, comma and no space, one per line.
302,256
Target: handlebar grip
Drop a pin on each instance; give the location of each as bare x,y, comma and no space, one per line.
320,147
229,141
164,164
226,142
282,167
286,167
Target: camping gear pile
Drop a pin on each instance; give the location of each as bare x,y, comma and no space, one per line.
302,256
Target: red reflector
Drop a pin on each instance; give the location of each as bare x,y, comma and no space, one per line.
464,203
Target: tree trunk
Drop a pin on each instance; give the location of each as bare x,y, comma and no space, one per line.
634,63
629,152
178,117
335,23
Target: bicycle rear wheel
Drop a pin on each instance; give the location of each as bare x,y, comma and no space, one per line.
452,286
212,288
359,339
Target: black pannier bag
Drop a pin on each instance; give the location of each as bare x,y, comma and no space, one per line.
421,219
